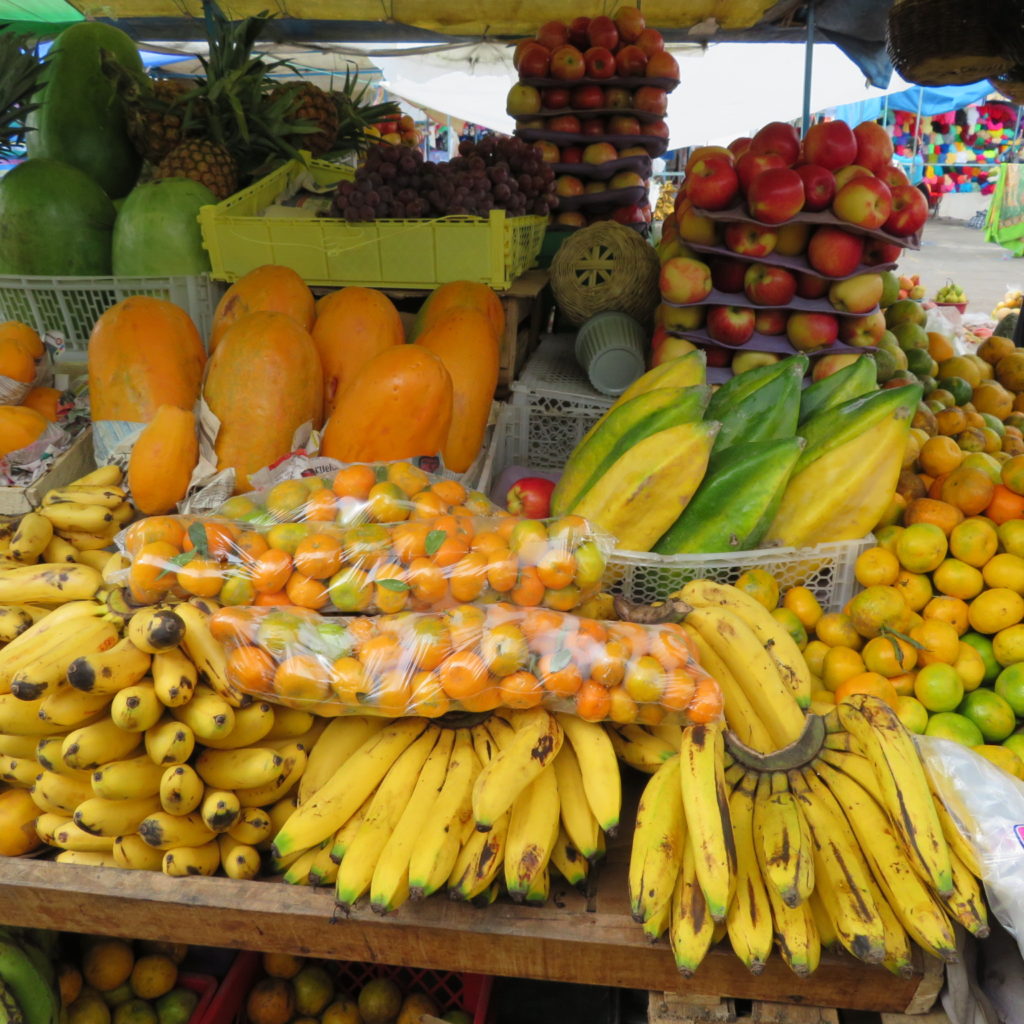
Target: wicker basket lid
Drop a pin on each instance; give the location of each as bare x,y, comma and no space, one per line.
949,42
605,267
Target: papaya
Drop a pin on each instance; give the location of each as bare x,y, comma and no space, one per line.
682,372
19,427
459,295
263,382
157,234
464,340
162,459
859,378
79,118
143,352
398,406
45,401
18,823
54,221
269,288
352,325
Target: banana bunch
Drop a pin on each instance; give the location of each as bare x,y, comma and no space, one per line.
28,978
398,809
802,832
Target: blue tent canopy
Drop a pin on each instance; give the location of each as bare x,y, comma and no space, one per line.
938,100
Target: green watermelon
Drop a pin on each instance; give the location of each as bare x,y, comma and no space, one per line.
157,231
79,118
54,220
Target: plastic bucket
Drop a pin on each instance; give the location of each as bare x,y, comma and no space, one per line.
610,348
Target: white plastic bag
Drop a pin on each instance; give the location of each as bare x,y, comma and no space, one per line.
990,804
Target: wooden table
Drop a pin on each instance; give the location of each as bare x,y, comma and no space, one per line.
588,940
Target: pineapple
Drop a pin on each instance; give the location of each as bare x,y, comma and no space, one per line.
155,122
19,82
356,114
203,161
316,111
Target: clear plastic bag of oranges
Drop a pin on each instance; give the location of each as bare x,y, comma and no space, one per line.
369,568
384,492
472,658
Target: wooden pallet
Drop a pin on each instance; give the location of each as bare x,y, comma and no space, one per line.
670,1008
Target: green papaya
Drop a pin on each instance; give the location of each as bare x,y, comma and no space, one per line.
79,118
761,410
157,234
737,500
54,221
625,426
850,382
1006,326
683,372
834,427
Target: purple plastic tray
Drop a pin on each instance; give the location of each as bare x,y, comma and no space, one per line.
654,144
798,263
717,298
616,81
640,115
610,197
602,172
768,343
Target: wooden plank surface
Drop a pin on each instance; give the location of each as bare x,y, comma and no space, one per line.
571,939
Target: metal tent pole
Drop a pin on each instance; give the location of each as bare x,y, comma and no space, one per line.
805,121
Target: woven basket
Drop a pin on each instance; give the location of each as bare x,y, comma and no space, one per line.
606,267
950,42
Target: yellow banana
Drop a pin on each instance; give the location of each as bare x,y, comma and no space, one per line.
169,742
103,476
87,858
308,739
570,863
753,669
207,654
123,513
34,532
537,741
339,740
783,841
136,708
22,717
59,792
68,708
49,822
37,678
827,935
578,819
967,904
856,766
691,927
48,753
86,494
657,924
109,670
238,859
252,723
796,934
898,958
135,778
389,802
77,515
782,648
166,831
184,861
659,838
155,630
133,853
219,810
239,769
342,839
280,812
114,817
19,746
97,560
252,828
902,784
532,834
291,724
324,868
602,782
180,789
638,748
953,828
15,619
86,540
20,772
174,677
536,896
480,859
293,767
60,550
207,714
92,745
706,808
49,631
299,865
749,919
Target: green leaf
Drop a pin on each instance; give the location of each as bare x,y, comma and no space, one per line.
560,659
434,541
182,559
197,534
396,585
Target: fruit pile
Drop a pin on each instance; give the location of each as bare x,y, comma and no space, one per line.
1009,303
951,294
779,245
400,131
592,96
910,286
490,174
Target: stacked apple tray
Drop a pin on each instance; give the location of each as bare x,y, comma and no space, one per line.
719,350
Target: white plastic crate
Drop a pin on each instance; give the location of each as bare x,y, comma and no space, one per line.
69,306
552,380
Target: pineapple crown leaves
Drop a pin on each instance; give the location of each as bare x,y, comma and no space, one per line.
20,67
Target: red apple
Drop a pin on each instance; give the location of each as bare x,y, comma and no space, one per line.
819,186
656,128
775,195
770,321
810,286
831,144
587,97
876,251
740,145
810,331
695,228
631,61
624,124
712,183
568,185
599,62
834,252
874,147
602,32
858,294
650,41
749,164
634,214
534,60
565,123
593,126
567,63
662,64
909,211
626,179
651,100
894,177
593,187
716,356
862,330
617,98
727,273
702,152
578,33
846,174
731,325
746,239
630,23
681,318
866,202
827,365
769,286
553,34
555,98
521,122
684,280
549,152
523,99
600,153
780,138
572,218
793,239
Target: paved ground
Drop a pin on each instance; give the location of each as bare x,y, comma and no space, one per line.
953,250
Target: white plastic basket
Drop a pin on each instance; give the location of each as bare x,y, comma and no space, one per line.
69,306
552,379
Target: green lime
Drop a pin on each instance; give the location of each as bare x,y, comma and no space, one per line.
1002,757
939,687
919,361
983,645
990,713
995,423
948,725
912,713
958,388
1015,743
1010,686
